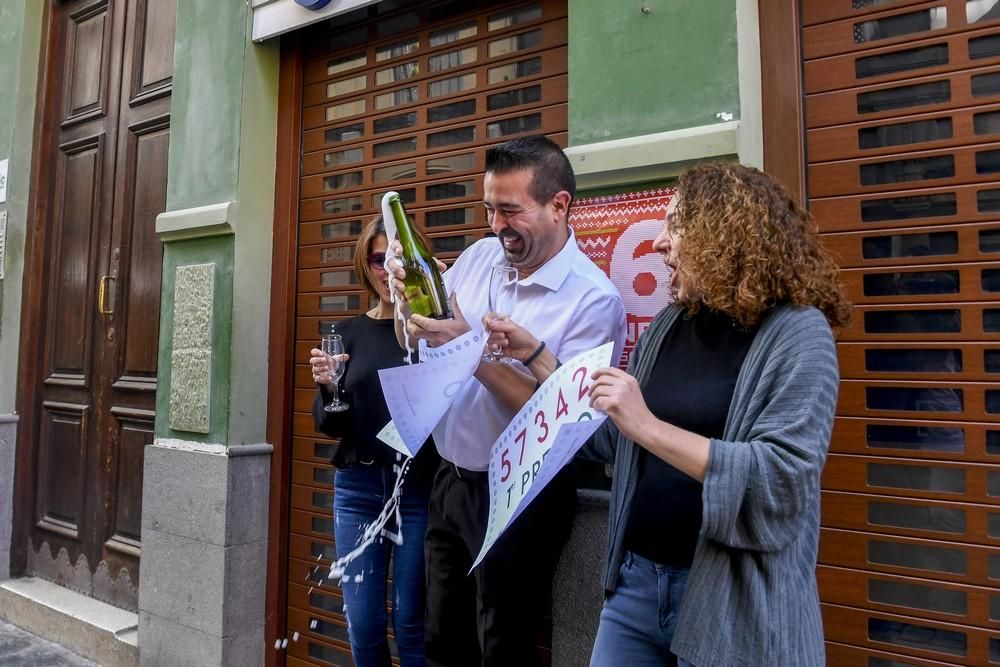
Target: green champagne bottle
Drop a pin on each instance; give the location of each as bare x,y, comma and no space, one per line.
424,287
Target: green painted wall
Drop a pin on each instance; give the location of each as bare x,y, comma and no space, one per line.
11,33
223,149
633,73
20,37
216,250
209,49
254,242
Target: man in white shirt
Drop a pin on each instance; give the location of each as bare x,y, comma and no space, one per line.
492,616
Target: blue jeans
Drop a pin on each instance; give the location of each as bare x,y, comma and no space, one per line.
360,493
638,620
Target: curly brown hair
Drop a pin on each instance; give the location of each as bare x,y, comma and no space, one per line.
746,246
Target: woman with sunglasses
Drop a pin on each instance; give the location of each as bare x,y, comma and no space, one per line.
366,473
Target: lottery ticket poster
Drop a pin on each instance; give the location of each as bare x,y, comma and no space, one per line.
616,232
418,395
543,437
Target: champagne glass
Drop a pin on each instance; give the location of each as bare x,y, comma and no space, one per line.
503,294
331,345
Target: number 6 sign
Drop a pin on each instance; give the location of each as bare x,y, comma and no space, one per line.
541,439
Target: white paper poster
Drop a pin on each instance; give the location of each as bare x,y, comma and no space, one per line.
420,394
3,180
541,439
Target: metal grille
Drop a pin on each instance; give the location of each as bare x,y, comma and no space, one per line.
397,96
902,144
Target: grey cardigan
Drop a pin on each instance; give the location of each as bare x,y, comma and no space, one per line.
751,595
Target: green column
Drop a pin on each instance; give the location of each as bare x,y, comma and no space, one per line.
20,37
217,228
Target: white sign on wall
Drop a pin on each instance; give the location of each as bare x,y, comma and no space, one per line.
275,17
3,181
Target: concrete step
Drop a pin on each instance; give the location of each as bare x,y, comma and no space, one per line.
90,628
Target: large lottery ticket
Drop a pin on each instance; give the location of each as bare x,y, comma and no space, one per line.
541,439
419,395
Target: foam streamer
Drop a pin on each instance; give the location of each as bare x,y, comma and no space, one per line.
376,529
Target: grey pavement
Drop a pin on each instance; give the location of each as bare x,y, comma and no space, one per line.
19,648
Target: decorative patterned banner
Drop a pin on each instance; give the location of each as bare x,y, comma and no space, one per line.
544,435
616,233
420,394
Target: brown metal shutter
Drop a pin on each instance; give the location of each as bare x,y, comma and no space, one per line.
406,98
903,148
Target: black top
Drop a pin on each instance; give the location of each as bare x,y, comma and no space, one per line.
372,345
690,386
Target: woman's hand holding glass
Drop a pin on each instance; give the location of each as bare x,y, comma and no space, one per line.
320,365
322,373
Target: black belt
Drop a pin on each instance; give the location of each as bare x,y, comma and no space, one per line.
467,475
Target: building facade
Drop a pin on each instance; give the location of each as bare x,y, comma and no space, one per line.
185,180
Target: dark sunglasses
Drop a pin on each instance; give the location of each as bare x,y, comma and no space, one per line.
376,260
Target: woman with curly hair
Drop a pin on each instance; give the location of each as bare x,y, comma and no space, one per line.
718,433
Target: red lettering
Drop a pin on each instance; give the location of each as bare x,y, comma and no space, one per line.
521,437
505,465
542,425
561,407
582,372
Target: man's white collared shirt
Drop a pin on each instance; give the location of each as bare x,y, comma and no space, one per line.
568,302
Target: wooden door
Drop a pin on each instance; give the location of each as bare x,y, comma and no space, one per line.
901,121
92,300
402,97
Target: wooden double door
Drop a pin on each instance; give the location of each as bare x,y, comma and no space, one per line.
90,322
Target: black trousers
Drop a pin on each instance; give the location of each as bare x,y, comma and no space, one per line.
493,615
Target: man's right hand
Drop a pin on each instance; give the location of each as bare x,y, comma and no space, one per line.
394,267
438,332
507,335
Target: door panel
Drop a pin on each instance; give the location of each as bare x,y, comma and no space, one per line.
61,500
137,301
930,56
950,643
134,433
153,49
107,117
134,268
90,42
86,41
77,227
